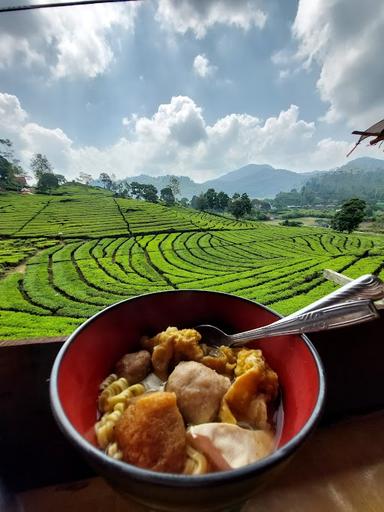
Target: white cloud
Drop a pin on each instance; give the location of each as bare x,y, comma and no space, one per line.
29,138
200,15
69,42
11,113
202,67
177,139
345,38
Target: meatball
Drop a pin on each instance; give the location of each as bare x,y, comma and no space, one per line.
199,391
134,367
151,433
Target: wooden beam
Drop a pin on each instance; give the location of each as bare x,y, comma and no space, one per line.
337,278
32,341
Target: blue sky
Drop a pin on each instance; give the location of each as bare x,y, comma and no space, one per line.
190,87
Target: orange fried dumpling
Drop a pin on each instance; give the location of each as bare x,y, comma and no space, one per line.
256,385
151,433
221,359
171,346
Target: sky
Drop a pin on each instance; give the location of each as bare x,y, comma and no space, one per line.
191,87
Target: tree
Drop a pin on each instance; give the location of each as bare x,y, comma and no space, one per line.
40,165
211,198
222,201
240,205
199,202
136,189
247,205
61,179
6,174
12,176
105,180
47,182
184,202
85,178
166,195
350,215
261,204
149,193
126,189
174,185
6,149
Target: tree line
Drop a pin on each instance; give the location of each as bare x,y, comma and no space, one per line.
333,188
14,177
349,216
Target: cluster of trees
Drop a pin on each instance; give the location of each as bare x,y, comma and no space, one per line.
332,188
12,175
47,180
350,215
303,198
138,190
238,205
338,186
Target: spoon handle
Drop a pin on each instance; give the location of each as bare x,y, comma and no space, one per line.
330,317
367,286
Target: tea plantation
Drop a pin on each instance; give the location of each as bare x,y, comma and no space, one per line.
65,257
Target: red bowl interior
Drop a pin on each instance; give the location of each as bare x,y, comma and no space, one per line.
96,346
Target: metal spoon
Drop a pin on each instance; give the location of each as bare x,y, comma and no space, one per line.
367,286
330,317
328,312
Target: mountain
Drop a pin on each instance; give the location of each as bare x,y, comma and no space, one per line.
258,181
262,181
364,164
362,177
188,187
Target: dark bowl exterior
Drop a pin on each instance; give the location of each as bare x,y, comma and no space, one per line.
92,350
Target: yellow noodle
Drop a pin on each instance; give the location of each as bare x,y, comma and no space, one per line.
107,381
111,417
196,463
112,389
113,451
114,406
124,396
104,433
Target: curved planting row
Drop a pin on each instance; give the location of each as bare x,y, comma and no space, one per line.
49,285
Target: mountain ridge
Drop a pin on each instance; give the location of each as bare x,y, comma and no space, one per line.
257,180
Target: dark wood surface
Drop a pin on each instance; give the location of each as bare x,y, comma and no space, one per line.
339,469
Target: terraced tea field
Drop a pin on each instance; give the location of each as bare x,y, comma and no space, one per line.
63,258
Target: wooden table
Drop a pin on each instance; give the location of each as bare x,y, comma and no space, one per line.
339,469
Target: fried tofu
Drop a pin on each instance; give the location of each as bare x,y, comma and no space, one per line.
151,433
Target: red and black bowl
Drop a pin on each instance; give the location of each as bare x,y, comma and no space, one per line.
91,352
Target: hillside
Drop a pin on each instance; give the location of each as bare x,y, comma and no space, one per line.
259,181
262,181
362,177
65,257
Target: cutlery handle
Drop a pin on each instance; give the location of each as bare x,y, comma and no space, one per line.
330,317
367,286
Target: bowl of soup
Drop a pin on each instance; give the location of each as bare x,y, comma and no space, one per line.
175,424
